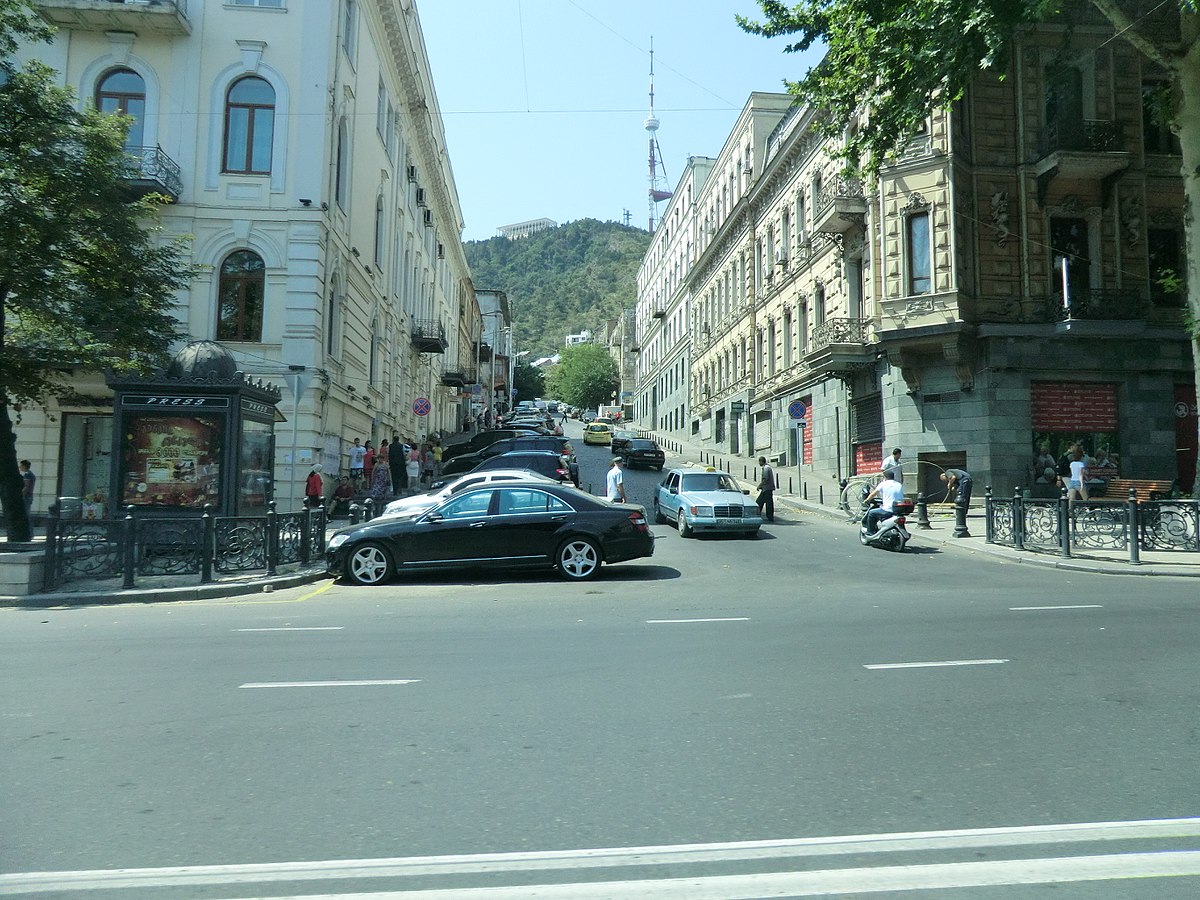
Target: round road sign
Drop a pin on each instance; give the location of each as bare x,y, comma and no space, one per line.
421,406
797,409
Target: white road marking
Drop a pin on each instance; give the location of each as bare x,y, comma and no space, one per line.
690,621
1077,606
297,628
944,662
308,684
1010,871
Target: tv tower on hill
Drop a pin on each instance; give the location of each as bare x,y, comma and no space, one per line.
658,173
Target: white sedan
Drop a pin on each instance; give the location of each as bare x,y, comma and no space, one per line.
418,503
705,501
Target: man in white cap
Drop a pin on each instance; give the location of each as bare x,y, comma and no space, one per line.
616,481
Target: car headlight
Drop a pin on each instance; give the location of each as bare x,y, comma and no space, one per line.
702,512
750,511
337,540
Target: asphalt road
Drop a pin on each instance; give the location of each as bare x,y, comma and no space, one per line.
790,690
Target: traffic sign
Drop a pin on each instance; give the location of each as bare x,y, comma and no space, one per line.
797,409
801,424
421,406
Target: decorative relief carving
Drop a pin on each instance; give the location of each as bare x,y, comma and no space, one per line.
1000,217
916,200
1131,219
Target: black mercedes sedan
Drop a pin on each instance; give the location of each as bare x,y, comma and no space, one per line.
495,527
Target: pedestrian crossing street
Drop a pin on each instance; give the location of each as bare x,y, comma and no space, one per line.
896,863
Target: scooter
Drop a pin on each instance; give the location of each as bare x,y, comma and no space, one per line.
890,533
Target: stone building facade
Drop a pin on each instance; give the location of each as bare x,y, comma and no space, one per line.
302,146
997,286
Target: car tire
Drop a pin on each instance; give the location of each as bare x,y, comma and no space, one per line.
578,559
659,468
369,563
685,530
659,518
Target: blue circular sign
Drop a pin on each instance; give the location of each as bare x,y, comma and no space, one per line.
421,406
797,409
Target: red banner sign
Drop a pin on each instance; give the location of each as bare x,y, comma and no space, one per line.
1073,406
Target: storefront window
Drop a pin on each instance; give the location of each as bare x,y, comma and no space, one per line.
171,461
254,469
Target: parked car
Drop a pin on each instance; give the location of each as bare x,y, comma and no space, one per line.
496,527
446,489
620,440
705,501
544,462
597,433
484,439
467,461
643,452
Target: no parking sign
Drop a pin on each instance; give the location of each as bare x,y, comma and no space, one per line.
421,406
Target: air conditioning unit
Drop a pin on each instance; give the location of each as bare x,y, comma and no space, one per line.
412,173
421,197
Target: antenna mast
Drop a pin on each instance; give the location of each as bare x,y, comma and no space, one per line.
658,174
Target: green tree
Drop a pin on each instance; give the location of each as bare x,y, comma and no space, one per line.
529,381
85,281
896,61
586,376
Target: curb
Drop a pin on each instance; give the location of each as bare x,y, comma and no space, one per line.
166,595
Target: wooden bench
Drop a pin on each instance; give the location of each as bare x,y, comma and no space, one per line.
1143,488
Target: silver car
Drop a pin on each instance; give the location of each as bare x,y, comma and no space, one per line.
705,501
418,503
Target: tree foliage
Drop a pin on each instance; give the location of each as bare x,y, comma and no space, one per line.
528,381
585,377
86,282
563,280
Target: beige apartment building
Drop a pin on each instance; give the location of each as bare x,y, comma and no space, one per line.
997,287
301,144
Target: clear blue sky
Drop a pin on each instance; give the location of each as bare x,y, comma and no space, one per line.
544,100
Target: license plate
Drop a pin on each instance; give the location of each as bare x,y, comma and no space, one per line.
729,521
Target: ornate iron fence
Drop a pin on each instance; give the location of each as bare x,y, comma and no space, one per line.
141,545
1121,526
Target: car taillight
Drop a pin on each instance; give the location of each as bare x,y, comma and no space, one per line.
639,521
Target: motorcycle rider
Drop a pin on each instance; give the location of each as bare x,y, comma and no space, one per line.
889,490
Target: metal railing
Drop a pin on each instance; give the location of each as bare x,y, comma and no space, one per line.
1086,136
142,545
1097,304
152,164
1064,526
840,188
841,331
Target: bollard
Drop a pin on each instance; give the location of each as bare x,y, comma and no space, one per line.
1135,530
370,509
960,520
355,509
804,491
923,511
1018,519
207,548
272,537
821,494
130,536
1064,524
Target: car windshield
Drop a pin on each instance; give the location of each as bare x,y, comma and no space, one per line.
709,481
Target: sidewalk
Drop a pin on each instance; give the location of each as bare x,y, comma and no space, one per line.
941,526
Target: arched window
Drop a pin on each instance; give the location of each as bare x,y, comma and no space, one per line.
240,297
249,126
123,91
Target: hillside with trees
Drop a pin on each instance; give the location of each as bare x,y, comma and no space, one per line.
563,280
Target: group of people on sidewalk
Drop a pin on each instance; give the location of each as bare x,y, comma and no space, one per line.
891,488
396,469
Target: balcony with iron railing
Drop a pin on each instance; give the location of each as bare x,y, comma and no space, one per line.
428,336
840,345
148,170
159,17
1091,149
839,205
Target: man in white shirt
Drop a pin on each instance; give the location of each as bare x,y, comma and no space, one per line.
892,464
616,481
888,491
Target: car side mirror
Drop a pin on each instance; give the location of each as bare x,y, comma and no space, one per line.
747,493
434,517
